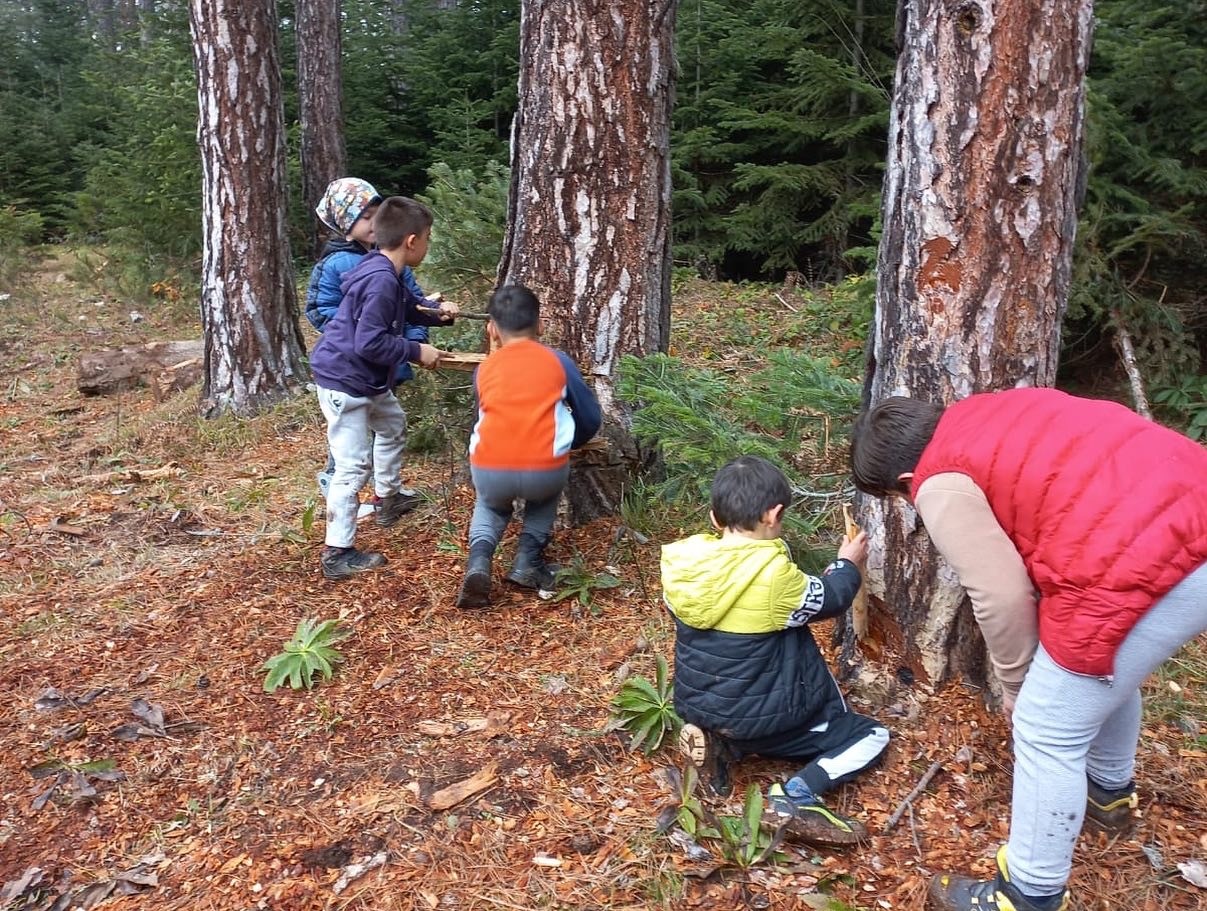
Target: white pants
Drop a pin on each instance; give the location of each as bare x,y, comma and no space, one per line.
350,421
1069,725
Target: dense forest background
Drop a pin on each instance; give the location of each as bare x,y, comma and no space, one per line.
778,146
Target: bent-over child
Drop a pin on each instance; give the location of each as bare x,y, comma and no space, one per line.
749,677
354,365
1079,529
533,408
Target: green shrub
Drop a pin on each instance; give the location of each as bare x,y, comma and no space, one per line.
18,230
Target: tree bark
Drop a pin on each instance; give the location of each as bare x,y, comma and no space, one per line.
979,213
320,93
589,214
253,343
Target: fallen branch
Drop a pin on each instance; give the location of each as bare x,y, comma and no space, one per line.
132,474
909,798
1127,354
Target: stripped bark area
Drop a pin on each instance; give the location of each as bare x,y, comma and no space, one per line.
980,209
253,343
589,215
320,106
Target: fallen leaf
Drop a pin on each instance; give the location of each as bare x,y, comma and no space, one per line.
386,676
1194,872
357,870
149,713
455,793
22,884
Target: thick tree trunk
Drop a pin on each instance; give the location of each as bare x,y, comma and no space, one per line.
253,344
320,92
980,209
589,216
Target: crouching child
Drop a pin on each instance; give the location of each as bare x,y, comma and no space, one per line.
749,678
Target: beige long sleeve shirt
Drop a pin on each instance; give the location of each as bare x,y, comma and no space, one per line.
958,518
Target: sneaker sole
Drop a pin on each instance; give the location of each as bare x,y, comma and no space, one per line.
693,744
816,827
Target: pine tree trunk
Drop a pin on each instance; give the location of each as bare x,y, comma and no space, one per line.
253,344
589,216
320,92
980,209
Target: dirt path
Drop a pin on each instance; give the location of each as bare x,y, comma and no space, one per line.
173,589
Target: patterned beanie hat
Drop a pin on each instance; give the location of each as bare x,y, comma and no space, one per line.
344,201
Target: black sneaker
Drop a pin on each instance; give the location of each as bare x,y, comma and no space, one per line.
963,893
711,755
343,562
809,820
393,507
1111,811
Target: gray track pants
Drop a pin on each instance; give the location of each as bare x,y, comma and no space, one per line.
497,490
1067,725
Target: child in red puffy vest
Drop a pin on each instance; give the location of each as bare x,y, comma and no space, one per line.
1079,530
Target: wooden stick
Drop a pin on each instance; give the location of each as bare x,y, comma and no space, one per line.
909,798
464,314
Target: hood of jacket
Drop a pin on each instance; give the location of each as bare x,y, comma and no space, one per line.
706,579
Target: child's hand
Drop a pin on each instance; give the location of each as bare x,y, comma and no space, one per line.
429,355
854,550
448,310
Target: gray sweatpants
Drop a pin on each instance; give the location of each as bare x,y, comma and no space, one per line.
498,489
350,419
1067,725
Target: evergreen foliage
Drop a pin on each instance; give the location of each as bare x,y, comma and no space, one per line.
780,125
795,412
1143,231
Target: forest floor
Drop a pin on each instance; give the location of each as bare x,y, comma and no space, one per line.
151,562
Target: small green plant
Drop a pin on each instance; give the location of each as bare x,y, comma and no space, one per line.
309,651
308,515
576,581
742,841
646,710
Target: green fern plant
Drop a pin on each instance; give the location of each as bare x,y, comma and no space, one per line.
576,581
646,710
310,651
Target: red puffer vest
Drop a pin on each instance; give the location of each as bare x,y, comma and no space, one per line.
1107,509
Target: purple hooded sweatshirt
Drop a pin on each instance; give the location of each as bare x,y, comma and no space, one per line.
364,343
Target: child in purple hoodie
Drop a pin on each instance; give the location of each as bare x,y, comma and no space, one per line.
355,364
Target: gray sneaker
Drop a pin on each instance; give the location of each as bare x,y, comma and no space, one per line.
344,562
393,507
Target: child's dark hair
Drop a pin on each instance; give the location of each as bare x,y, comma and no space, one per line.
746,488
397,219
887,441
515,310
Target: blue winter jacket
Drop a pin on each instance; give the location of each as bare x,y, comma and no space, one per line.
323,293
366,340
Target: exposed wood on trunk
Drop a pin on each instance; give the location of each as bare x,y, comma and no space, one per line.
163,366
253,343
974,265
589,215
320,107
